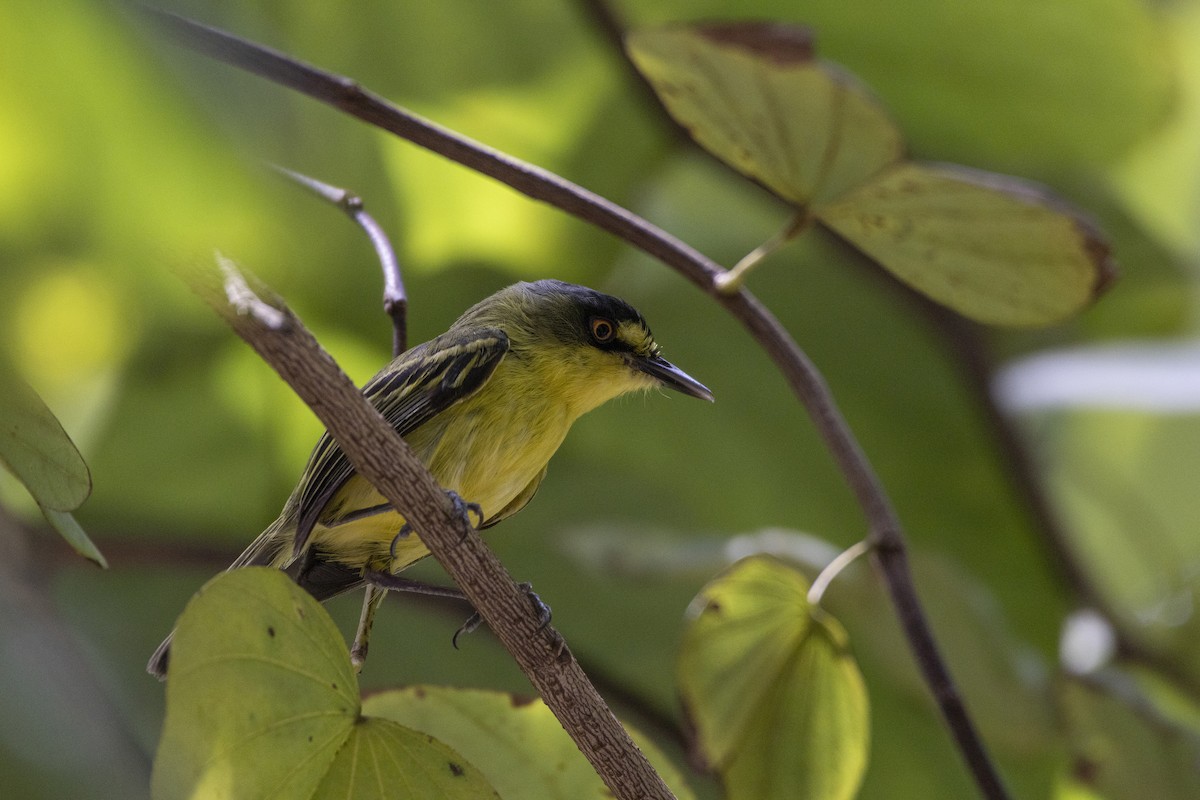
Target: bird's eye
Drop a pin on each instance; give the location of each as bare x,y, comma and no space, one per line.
603,330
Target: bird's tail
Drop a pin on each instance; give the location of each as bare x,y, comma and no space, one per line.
157,665
262,552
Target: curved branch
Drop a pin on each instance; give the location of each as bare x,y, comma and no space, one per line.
807,383
395,301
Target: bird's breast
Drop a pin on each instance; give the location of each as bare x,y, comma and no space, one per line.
495,442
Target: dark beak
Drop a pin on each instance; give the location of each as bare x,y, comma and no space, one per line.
671,376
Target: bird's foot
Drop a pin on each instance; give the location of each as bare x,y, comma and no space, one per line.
475,620
464,509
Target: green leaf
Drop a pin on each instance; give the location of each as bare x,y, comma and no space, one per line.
991,247
66,525
36,449
519,745
779,705
262,702
384,760
754,95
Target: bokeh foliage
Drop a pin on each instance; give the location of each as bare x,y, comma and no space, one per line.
123,160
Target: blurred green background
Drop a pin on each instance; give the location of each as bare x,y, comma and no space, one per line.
124,160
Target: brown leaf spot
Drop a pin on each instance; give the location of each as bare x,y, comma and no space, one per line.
455,769
271,631
775,42
1085,770
519,700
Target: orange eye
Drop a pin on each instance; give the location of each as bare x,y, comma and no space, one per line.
603,330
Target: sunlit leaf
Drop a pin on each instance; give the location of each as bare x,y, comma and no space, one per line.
262,702
778,703
384,760
755,96
36,449
518,745
991,247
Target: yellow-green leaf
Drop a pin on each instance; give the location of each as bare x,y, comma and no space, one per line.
991,247
778,703
262,703
384,760
517,744
36,449
754,95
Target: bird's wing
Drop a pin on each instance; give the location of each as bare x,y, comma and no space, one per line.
428,380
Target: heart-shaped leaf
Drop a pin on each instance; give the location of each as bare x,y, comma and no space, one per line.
262,703
754,95
778,703
991,247
518,745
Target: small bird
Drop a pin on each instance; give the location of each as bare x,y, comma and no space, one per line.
484,406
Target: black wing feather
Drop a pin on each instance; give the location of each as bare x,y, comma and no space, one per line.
430,378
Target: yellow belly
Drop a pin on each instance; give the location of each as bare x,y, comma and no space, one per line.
488,449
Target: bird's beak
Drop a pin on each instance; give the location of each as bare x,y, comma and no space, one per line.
671,376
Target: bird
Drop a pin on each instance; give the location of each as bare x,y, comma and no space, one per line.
484,406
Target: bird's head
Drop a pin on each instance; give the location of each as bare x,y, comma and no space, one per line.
589,346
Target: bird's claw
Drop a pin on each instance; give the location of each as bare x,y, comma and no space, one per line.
472,623
403,533
543,610
464,509
475,620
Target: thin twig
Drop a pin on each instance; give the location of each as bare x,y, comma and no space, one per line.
379,454
611,27
395,300
806,382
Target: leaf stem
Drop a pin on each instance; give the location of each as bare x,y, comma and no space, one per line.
834,568
730,281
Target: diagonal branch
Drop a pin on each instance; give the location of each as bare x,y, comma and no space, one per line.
807,383
383,458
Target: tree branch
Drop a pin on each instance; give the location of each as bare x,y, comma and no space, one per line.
806,382
395,300
383,458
